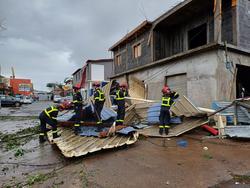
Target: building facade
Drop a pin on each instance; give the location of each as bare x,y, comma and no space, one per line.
21,86
199,48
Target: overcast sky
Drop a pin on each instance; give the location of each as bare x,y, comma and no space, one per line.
47,40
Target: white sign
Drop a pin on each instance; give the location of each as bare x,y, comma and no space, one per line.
97,72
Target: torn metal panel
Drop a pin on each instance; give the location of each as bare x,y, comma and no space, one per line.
184,107
75,146
243,115
187,125
238,131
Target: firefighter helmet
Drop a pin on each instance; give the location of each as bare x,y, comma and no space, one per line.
165,90
96,84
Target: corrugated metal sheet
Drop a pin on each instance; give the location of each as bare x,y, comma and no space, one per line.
187,125
238,131
184,106
242,114
75,146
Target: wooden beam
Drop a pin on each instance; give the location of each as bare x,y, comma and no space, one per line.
217,20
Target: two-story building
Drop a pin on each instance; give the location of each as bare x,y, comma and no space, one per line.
199,48
93,70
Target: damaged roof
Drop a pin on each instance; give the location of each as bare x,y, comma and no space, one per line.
75,146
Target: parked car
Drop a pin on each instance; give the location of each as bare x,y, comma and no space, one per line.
10,101
19,98
27,100
57,98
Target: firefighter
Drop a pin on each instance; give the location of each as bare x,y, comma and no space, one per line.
99,101
78,104
120,101
167,100
48,116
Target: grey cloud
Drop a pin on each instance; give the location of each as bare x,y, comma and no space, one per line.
47,40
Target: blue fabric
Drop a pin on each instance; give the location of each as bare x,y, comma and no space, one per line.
154,113
140,126
90,131
126,130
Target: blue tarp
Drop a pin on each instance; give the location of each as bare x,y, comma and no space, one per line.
90,131
126,130
154,113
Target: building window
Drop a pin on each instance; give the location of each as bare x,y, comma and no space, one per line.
137,50
197,36
118,59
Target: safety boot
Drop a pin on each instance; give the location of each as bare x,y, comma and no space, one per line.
55,135
42,138
160,131
166,131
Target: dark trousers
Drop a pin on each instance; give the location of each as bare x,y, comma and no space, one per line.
44,119
78,116
98,108
120,112
164,117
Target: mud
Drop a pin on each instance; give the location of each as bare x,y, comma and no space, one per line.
151,162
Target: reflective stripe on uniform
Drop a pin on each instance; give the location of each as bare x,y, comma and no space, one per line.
77,125
118,98
53,109
101,96
165,101
161,126
167,126
75,101
41,134
99,122
119,120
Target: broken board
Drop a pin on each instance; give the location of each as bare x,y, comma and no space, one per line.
75,146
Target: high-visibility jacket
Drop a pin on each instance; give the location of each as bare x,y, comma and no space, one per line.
120,94
77,99
99,95
51,112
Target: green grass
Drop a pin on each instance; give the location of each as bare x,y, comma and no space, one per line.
14,140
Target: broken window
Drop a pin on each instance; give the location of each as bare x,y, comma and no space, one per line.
118,59
137,50
197,36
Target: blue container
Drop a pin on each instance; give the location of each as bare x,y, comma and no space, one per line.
182,143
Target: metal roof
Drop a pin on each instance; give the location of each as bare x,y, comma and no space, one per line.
184,106
238,131
75,146
187,125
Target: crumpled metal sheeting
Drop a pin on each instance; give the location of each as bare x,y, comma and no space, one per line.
238,131
187,125
75,146
184,107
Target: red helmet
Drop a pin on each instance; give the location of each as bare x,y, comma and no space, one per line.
165,90
96,84
77,86
124,85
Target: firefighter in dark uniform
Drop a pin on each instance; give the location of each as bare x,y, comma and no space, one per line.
99,101
167,101
48,116
120,101
78,104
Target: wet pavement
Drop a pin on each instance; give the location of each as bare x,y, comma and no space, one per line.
151,162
